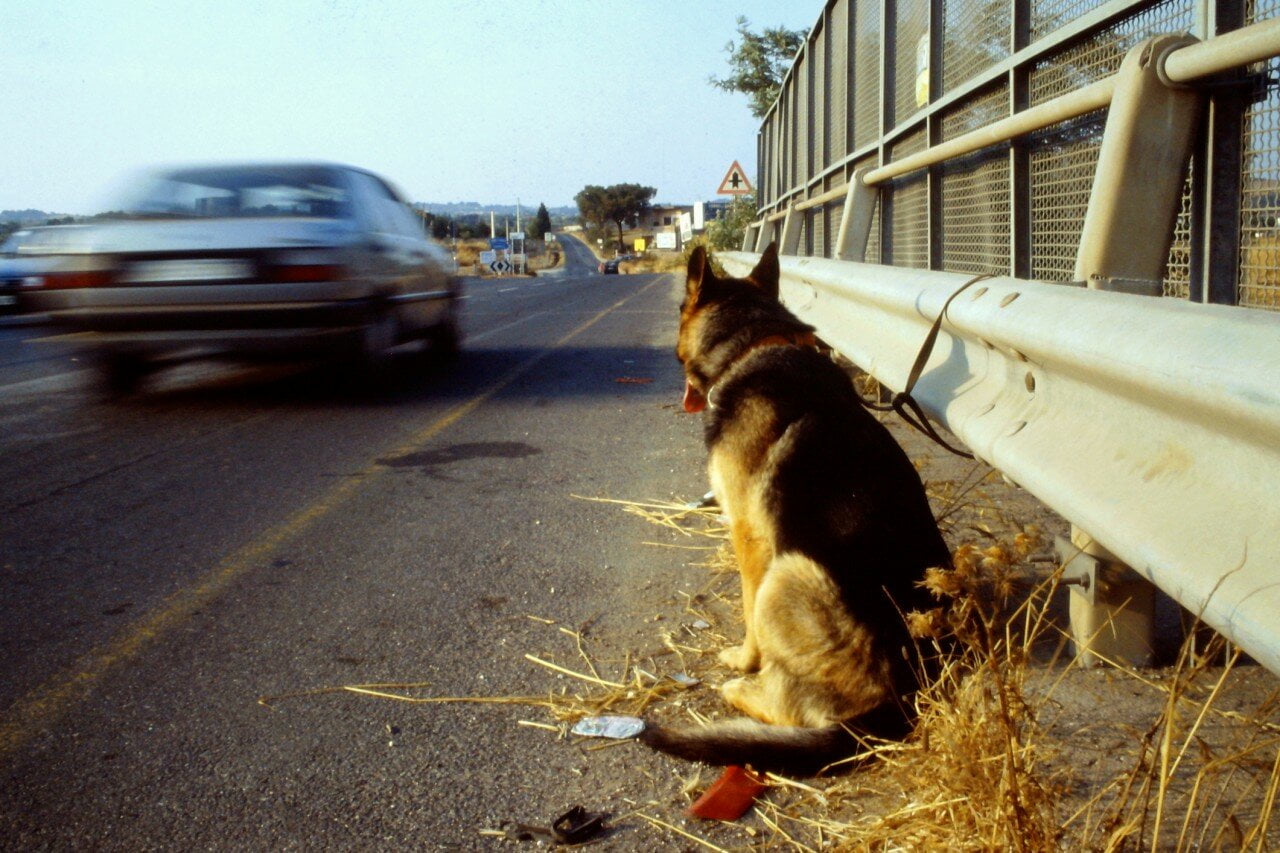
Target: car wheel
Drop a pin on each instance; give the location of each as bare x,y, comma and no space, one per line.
121,374
445,339
376,342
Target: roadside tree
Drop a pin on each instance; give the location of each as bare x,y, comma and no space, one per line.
759,62
601,206
541,223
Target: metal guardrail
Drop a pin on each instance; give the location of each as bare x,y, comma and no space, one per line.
1058,141
1146,422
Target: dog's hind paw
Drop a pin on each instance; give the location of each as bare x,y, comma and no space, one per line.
741,658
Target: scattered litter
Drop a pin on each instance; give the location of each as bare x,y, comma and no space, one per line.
685,679
702,624
706,501
575,826
615,728
730,796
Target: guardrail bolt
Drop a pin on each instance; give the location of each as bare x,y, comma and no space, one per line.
1112,607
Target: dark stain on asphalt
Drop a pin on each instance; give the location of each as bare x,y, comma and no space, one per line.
429,460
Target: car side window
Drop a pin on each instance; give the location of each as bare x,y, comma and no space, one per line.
373,203
389,215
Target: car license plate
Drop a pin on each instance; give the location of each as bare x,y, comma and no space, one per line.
199,269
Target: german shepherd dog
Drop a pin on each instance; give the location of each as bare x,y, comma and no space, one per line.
830,527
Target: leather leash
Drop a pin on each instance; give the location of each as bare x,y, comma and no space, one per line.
902,402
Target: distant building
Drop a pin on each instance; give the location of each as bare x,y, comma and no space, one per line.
660,227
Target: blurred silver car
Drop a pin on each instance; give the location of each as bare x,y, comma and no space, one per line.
26,256
254,260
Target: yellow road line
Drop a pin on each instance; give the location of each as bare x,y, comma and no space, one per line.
43,705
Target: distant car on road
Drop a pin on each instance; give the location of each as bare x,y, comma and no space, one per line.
253,261
610,266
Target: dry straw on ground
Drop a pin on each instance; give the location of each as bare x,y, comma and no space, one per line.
993,762
990,765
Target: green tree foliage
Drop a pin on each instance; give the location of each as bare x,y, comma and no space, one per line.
614,204
541,223
726,232
759,62
469,226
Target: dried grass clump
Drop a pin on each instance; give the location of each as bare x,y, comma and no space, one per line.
1190,788
973,776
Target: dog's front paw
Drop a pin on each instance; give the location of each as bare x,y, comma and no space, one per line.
745,658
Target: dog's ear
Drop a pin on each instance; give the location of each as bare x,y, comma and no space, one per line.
765,275
699,273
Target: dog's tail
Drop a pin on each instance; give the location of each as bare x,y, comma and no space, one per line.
786,749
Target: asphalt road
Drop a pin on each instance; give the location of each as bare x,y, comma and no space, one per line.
234,533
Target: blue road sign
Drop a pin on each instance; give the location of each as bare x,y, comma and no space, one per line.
499,244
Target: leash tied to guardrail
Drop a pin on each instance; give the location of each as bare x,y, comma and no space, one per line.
902,402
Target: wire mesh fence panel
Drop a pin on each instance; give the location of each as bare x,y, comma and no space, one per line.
977,112
975,193
1100,55
837,88
1259,280
849,92
833,213
803,120
1063,160
1062,163
816,85
975,213
1177,279
975,36
909,206
1049,15
911,51
866,71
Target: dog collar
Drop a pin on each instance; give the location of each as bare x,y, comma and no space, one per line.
695,402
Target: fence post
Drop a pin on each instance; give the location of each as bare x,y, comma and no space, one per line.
1111,607
791,231
1128,227
855,223
1142,166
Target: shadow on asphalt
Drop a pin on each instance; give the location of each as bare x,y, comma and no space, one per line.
564,373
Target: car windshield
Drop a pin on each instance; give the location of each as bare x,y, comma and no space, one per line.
255,191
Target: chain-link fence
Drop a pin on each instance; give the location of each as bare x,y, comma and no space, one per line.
879,80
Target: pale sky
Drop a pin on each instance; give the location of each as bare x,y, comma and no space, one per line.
451,101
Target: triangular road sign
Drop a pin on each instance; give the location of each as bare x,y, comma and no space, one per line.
735,182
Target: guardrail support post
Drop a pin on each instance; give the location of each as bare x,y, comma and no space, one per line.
1124,246
764,235
1142,167
855,224
791,232
1112,607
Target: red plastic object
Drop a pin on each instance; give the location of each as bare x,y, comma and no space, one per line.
730,796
